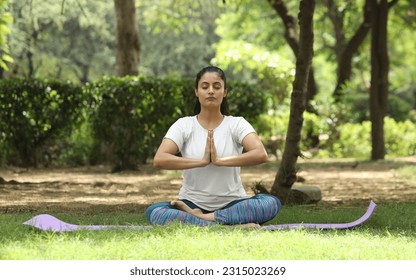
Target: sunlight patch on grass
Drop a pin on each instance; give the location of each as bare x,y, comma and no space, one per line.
408,172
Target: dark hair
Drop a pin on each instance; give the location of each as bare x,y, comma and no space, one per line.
220,72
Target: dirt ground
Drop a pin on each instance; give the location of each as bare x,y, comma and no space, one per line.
92,189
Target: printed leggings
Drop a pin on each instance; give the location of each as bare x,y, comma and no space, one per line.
257,209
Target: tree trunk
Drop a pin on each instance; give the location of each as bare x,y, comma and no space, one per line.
379,76
286,175
127,37
29,55
292,38
345,55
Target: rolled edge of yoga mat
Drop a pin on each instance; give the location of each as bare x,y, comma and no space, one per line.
350,225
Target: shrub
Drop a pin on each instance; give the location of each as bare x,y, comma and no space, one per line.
79,147
132,113
400,137
115,120
34,113
355,140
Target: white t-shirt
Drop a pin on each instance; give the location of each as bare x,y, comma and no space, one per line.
210,187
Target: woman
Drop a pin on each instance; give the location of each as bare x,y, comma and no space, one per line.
211,144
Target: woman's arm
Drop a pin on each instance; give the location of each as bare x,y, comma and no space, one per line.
166,157
255,153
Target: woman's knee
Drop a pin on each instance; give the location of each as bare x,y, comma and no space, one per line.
271,199
271,205
152,207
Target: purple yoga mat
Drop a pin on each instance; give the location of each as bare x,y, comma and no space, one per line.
50,223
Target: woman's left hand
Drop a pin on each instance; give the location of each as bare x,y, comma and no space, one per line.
214,159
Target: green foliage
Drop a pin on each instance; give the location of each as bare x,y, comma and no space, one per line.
133,115
246,100
34,113
256,23
5,19
245,37
257,65
272,128
69,40
345,140
162,16
177,36
400,137
115,120
355,140
79,148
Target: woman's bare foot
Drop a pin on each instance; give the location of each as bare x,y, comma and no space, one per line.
194,212
208,217
182,206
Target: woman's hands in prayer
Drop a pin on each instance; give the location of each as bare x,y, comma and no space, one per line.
210,155
255,152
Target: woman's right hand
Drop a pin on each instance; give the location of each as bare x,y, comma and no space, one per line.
207,154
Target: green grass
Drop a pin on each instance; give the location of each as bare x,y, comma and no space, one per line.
389,235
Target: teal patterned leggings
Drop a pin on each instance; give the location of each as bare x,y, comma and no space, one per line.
257,209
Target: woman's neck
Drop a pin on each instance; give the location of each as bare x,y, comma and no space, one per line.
210,120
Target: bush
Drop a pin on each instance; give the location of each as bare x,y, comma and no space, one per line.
115,120
400,137
133,112
33,114
355,140
79,147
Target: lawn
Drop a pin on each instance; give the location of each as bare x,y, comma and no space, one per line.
390,234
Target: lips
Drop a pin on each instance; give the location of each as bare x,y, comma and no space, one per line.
211,99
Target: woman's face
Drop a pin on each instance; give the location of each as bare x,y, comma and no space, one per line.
210,91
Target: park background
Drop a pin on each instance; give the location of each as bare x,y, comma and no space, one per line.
88,89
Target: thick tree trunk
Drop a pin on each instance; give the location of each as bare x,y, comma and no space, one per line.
379,77
292,38
286,175
128,42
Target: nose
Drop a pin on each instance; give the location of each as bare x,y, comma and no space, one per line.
211,90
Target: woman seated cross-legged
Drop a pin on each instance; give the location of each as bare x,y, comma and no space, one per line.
211,144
